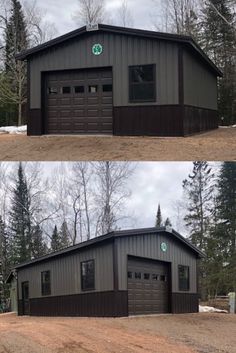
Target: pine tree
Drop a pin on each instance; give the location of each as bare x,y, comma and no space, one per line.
158,217
4,262
20,220
15,42
219,42
39,247
168,222
198,189
226,214
55,240
64,236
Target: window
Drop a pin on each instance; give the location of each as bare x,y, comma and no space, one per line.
107,88
52,90
137,275
88,275
146,276
130,274
155,277
46,283
163,278
142,83
65,90
79,89
93,89
183,278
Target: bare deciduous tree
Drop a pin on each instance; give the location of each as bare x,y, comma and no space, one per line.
124,15
90,12
178,16
82,176
39,30
111,192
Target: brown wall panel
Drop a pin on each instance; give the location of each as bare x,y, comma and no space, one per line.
100,304
148,121
34,122
199,120
184,303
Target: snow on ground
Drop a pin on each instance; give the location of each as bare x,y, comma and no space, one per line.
210,309
13,129
227,127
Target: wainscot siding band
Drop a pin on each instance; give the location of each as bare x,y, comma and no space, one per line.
103,304
185,303
148,121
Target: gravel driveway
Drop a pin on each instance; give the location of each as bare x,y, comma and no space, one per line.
192,333
217,145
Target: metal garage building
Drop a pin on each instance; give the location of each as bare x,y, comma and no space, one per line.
112,80
143,271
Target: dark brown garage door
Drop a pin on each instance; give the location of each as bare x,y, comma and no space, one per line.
148,287
79,101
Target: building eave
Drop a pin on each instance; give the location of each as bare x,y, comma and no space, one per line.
185,40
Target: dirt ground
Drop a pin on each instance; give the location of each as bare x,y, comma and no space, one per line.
192,333
217,145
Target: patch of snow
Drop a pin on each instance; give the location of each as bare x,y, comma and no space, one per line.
13,129
210,309
227,127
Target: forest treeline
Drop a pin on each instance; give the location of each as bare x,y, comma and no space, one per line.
211,23
80,201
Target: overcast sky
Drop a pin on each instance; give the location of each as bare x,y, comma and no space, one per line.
61,12
150,184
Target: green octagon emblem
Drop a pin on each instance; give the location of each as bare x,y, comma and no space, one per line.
97,49
164,247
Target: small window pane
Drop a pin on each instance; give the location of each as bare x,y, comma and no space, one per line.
46,283
88,275
155,277
142,74
137,275
107,88
93,89
130,274
79,89
52,90
65,90
163,278
146,276
183,278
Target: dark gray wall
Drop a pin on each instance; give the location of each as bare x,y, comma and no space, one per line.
119,51
65,273
200,85
149,246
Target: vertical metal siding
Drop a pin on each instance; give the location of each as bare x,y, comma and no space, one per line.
65,273
200,85
119,52
149,246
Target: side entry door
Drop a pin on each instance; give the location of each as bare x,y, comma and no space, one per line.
25,298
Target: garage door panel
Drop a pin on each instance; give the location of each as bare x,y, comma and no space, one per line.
148,294
79,103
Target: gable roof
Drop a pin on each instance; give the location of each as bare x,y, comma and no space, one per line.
185,40
112,236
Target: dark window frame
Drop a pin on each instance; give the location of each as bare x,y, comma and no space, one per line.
184,287
131,84
45,286
87,289
77,89
65,87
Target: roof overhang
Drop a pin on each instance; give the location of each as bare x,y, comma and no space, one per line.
110,237
185,40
